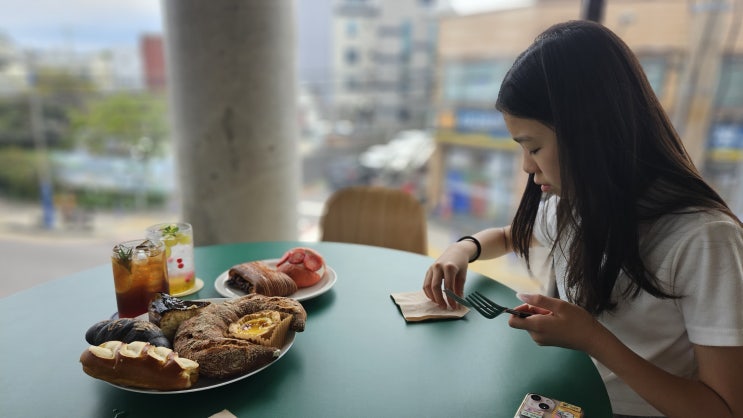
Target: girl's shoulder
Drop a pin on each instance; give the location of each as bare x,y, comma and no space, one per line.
692,222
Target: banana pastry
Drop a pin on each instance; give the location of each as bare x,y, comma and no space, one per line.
139,364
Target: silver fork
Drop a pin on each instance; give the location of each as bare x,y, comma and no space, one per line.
484,306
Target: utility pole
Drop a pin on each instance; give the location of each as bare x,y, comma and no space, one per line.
42,153
593,10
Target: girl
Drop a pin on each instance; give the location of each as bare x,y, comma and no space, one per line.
648,259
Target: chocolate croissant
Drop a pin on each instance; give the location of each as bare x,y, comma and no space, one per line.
258,277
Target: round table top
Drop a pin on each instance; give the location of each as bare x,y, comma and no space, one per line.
357,356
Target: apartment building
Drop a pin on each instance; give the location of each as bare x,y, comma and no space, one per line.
383,61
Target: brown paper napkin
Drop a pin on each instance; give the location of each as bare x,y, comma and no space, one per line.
416,307
223,414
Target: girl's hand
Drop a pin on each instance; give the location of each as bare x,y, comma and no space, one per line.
450,269
559,323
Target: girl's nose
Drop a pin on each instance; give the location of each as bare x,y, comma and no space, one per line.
528,164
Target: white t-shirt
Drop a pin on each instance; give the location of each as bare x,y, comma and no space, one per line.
698,256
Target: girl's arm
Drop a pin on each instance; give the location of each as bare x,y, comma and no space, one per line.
451,266
715,394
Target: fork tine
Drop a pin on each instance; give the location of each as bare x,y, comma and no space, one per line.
489,302
500,307
484,309
483,312
494,308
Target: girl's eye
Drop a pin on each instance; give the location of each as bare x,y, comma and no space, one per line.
532,152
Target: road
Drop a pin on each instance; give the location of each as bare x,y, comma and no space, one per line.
32,255
28,262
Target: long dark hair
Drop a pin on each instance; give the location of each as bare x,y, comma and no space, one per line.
615,142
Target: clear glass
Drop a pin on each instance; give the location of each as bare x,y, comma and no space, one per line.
178,240
139,274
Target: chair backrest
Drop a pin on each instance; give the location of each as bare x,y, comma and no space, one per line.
379,216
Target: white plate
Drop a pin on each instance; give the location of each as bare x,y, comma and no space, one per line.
326,283
205,383
196,287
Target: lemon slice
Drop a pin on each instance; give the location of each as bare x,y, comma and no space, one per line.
170,241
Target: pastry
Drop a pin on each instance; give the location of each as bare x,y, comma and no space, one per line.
126,330
267,328
168,312
259,277
304,265
205,338
139,364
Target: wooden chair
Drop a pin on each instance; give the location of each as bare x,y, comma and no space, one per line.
378,216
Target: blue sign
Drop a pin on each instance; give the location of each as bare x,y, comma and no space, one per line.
726,136
481,121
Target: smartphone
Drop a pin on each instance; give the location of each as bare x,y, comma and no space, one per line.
538,406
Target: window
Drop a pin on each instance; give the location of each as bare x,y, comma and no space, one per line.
730,89
474,82
655,70
352,56
352,29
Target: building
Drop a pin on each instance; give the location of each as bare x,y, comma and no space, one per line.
13,75
693,57
314,72
152,54
383,61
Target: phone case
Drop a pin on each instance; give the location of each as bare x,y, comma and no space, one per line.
538,406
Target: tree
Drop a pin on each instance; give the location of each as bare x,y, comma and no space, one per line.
56,92
121,124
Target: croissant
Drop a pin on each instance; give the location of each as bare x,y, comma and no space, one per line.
258,277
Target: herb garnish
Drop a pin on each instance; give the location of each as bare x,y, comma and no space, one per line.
170,230
124,256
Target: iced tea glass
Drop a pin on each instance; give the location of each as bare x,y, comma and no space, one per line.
178,240
140,273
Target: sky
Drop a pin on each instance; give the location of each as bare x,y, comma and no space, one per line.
82,24
101,24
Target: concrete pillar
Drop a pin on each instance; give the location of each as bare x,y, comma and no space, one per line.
231,80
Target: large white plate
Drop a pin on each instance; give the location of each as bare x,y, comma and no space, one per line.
326,283
205,383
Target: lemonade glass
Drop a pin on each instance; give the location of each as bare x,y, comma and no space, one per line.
178,240
139,272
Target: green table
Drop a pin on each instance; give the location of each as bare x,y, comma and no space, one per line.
356,358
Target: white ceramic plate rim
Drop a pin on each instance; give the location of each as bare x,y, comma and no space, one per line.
196,287
327,281
205,383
